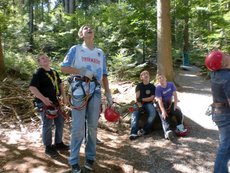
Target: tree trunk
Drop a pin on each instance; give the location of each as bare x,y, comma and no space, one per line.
31,25
2,64
71,6
164,57
66,6
144,35
186,37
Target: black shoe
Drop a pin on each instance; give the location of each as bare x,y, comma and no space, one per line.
61,146
133,136
89,164
76,168
99,141
142,132
51,150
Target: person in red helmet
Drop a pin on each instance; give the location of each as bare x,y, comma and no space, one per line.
213,60
219,65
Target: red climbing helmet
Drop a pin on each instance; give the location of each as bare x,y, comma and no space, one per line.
181,134
51,112
181,130
213,60
111,115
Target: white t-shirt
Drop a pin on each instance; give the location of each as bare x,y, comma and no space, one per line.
81,56
94,60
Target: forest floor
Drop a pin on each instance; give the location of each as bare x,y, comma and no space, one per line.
21,149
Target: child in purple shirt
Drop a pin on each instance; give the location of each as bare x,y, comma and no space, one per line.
166,97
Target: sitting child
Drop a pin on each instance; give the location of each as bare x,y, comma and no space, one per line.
145,96
166,96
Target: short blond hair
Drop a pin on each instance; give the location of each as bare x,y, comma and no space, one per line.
159,74
40,55
81,29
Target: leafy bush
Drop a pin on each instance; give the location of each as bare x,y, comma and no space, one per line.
20,65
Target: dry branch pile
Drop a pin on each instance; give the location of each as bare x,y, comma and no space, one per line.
16,103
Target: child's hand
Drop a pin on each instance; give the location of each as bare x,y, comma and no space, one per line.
47,101
176,107
164,114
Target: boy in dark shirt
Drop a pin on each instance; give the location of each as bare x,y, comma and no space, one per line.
145,92
47,88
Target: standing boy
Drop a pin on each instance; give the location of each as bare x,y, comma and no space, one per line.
47,88
87,66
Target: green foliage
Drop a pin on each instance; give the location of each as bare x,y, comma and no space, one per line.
4,15
20,65
126,32
121,66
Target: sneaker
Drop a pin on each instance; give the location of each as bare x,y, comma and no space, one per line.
133,136
61,146
76,168
89,164
51,150
169,135
141,132
98,141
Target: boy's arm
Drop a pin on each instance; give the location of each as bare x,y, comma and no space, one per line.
70,70
40,96
161,106
148,99
105,84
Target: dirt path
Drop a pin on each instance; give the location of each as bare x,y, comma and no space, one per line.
22,151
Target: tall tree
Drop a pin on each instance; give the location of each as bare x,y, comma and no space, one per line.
2,64
186,35
3,20
69,6
164,57
31,24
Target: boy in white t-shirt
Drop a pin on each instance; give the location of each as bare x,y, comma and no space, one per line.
87,66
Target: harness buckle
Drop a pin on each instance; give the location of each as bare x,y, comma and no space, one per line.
220,105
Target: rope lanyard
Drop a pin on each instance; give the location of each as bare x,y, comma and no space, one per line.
84,99
54,81
87,95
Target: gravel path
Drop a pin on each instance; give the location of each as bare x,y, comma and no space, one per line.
152,153
22,151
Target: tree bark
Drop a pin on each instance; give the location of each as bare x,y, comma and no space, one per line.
2,64
31,25
71,6
66,6
186,37
164,57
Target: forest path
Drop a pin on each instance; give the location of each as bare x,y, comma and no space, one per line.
22,151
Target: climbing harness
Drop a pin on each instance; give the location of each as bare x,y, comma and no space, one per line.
81,90
54,81
51,112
